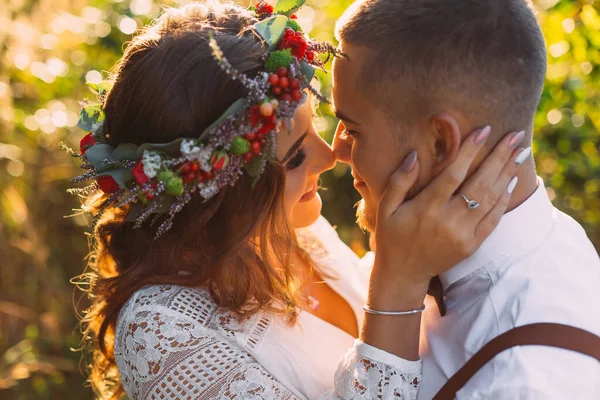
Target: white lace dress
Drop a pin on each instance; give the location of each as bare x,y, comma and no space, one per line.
173,342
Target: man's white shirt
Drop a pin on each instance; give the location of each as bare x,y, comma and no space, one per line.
537,266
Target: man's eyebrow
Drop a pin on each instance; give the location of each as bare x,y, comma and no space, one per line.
293,148
343,117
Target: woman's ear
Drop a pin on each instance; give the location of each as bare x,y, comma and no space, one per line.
447,140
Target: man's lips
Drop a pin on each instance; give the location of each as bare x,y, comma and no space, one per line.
310,194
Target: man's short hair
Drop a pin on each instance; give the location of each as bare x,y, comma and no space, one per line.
486,58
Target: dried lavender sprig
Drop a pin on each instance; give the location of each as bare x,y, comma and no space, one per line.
218,55
318,95
68,150
119,163
83,191
88,176
148,210
131,196
112,199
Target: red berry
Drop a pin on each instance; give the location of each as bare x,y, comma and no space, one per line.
256,147
273,79
186,168
194,167
248,156
282,71
276,90
294,83
285,97
189,177
283,82
208,175
260,136
296,94
293,16
287,90
250,136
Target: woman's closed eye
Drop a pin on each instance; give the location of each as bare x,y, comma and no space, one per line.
296,160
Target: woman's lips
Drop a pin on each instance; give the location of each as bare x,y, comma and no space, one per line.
310,194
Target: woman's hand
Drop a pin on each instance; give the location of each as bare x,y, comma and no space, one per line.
429,234
419,238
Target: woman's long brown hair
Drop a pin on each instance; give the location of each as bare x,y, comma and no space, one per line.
167,86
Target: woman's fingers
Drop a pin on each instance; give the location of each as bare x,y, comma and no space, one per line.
489,182
399,184
491,220
446,183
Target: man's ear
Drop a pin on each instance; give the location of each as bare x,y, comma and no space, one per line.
447,140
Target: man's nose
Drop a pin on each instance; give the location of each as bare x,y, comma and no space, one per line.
342,146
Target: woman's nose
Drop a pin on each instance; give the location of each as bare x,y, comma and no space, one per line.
341,146
325,160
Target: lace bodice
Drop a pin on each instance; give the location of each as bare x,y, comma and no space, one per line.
173,342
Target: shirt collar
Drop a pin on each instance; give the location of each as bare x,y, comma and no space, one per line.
519,231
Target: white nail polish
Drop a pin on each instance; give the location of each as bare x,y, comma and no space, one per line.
512,184
522,156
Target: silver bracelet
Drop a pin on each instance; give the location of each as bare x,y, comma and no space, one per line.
377,312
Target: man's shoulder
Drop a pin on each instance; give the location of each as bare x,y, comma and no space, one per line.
535,372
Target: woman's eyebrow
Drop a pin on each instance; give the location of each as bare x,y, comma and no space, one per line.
293,148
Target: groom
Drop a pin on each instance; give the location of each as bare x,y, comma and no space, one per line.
418,73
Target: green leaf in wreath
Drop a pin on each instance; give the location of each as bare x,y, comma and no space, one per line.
254,167
172,149
125,151
94,86
91,118
307,70
121,175
105,86
235,108
287,7
271,29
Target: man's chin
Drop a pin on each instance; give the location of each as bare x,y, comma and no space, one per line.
365,217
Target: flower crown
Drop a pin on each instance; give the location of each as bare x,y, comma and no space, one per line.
160,179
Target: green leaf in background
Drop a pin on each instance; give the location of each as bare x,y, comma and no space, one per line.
271,29
288,7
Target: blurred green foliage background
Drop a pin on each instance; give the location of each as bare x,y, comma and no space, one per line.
50,48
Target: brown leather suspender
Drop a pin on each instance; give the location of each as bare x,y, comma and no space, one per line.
544,334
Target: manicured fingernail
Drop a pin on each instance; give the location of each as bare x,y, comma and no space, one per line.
512,184
409,162
522,156
515,139
483,134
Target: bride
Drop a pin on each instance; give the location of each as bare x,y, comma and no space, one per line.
214,275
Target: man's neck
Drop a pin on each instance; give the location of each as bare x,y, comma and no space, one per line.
526,186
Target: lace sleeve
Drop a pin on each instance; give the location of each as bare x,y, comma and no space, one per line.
367,372
166,356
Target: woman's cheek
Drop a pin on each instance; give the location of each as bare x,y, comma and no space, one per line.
294,189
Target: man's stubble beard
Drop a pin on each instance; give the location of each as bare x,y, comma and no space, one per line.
366,217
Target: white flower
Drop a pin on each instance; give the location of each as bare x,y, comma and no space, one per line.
209,190
187,147
204,158
151,162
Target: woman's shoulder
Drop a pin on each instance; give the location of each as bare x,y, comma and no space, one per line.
191,302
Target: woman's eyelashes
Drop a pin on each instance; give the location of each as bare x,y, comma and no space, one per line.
296,160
